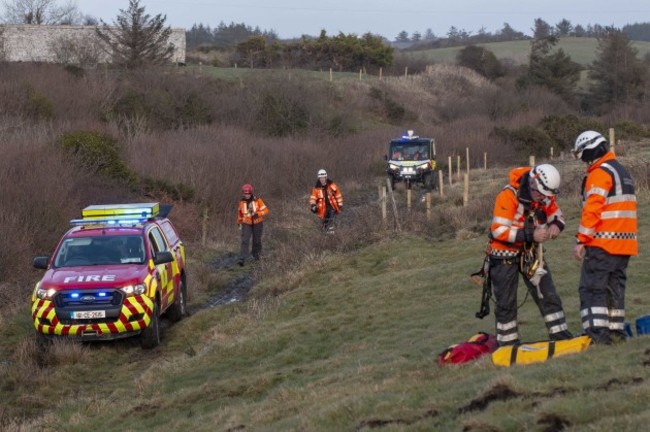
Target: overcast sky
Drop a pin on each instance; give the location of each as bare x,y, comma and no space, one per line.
293,18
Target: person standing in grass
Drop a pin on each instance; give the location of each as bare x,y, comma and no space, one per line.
606,239
250,220
326,200
525,215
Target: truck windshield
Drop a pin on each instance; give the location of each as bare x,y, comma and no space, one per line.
102,250
408,151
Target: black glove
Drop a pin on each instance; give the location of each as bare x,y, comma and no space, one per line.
529,229
313,208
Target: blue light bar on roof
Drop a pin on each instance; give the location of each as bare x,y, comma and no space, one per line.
108,222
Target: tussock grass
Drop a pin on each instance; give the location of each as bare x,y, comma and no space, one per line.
341,332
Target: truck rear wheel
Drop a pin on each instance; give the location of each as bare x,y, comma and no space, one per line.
178,309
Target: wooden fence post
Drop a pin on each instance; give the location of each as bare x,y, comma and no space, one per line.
204,227
450,169
484,160
428,203
408,197
392,198
441,184
382,198
612,138
466,190
467,159
531,160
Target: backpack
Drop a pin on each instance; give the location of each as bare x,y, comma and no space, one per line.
537,352
476,346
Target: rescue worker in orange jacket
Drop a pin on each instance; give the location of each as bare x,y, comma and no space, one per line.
250,219
326,200
525,214
606,239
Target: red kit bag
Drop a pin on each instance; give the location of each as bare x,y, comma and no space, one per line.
476,346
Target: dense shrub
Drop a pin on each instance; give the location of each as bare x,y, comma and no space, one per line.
99,153
480,60
161,109
37,105
631,130
563,130
282,115
162,189
528,140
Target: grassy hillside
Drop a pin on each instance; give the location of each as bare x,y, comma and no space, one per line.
581,50
345,341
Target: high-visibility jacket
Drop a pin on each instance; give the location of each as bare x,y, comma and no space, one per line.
511,208
609,208
320,192
251,211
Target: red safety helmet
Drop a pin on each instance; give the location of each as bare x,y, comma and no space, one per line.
247,189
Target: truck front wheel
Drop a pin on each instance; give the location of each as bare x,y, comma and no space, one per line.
150,337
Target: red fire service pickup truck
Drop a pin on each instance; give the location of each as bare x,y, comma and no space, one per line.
112,275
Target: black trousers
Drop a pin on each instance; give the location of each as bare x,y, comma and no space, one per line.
602,295
505,280
328,219
249,232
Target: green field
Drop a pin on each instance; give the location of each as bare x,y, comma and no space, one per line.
347,341
581,50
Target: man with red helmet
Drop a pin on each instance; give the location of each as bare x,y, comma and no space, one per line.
250,219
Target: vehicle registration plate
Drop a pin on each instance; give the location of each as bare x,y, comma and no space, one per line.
89,314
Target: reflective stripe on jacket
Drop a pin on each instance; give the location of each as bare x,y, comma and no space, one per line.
507,229
249,209
318,197
609,208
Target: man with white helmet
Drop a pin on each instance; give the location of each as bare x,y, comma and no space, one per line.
326,200
607,237
525,215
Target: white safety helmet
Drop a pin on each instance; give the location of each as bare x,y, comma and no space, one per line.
547,178
322,173
587,146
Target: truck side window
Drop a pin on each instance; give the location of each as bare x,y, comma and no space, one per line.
157,241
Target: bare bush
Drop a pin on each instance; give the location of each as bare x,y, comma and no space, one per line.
70,50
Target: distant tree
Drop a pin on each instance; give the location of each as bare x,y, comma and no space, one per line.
199,35
638,31
136,39
257,52
429,35
40,12
552,69
617,74
563,28
89,20
542,29
342,52
481,60
416,36
402,36
229,35
579,31
507,33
